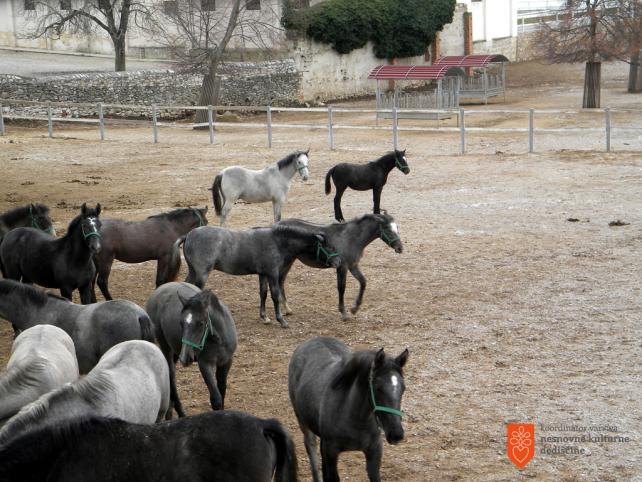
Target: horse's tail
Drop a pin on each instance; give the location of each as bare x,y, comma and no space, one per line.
174,263
286,464
328,187
146,327
217,194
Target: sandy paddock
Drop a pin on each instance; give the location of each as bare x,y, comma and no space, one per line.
511,312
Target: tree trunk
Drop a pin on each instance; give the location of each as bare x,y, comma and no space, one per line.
592,76
119,50
635,73
209,96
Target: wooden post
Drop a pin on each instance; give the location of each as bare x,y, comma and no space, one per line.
49,121
210,121
154,123
607,128
101,121
330,133
1,121
530,130
394,126
462,132
269,125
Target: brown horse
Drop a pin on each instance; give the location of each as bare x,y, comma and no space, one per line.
152,238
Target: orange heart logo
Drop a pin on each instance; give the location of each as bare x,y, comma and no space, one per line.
520,443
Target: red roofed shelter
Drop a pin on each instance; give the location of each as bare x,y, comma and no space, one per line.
489,79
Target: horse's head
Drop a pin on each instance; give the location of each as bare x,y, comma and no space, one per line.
325,252
196,325
386,387
389,232
401,162
39,218
302,161
201,216
90,226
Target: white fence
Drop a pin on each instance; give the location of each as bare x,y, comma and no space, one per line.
461,114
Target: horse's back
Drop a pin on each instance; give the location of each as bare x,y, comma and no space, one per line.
135,241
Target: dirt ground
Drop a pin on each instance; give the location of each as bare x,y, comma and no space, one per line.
511,312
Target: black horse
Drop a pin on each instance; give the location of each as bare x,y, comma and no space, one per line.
222,446
29,216
364,177
32,256
344,398
349,239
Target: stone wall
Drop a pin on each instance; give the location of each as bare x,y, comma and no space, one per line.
273,83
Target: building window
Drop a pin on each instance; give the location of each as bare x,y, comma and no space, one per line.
208,5
30,5
170,8
65,4
253,4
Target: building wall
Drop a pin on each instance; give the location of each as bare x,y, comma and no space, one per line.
494,25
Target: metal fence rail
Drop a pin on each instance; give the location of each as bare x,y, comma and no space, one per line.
460,114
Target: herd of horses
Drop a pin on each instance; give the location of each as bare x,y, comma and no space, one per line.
53,422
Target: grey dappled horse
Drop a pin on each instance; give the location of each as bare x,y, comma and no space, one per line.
153,238
42,358
345,399
30,216
130,382
269,184
349,239
262,251
186,320
94,328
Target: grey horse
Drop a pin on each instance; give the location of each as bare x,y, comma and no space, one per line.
130,382
94,328
349,239
345,398
42,359
29,216
186,320
269,184
262,251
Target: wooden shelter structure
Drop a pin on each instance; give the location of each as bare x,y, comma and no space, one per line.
489,79
442,94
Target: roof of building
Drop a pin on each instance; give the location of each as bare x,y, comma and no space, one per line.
413,72
469,60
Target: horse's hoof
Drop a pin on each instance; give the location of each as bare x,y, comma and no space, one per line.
288,311
284,324
354,310
265,320
345,317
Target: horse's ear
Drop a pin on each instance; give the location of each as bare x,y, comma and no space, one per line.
182,299
98,208
380,357
402,358
403,152
307,152
320,237
83,209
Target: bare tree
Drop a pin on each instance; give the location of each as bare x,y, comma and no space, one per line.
199,32
53,17
624,24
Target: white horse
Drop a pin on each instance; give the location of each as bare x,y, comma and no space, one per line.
269,184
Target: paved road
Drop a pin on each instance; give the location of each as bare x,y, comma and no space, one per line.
38,64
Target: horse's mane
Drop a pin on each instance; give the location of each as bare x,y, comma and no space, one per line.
25,376
284,230
16,214
74,224
37,296
92,387
287,160
173,215
357,368
364,217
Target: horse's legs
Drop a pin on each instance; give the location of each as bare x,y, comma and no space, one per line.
209,375
103,267
174,400
338,214
195,277
329,459
276,207
341,288
376,198
87,296
373,461
284,273
225,210
362,288
275,292
66,293
221,381
310,441
162,268
263,289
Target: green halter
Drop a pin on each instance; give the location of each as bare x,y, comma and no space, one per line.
208,330
328,255
400,164
201,221
380,408
386,237
91,233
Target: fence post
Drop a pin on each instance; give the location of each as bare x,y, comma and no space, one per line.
1,121
269,125
210,121
49,121
330,133
101,121
394,126
607,128
530,130
154,125
462,131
